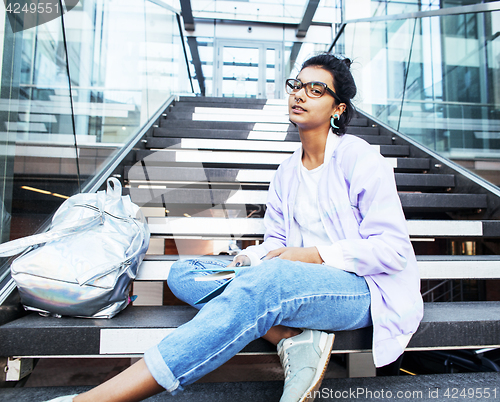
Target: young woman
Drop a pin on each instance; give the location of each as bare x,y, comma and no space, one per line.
336,256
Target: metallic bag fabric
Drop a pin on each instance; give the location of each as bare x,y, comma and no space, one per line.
84,265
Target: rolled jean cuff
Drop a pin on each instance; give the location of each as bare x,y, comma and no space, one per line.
160,371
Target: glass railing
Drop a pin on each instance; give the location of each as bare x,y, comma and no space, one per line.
434,76
73,91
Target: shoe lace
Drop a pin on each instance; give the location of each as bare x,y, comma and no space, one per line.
285,362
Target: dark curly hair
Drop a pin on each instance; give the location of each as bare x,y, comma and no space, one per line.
343,83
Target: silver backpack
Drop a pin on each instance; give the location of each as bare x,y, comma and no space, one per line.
84,264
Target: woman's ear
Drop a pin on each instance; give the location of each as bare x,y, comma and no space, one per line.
341,108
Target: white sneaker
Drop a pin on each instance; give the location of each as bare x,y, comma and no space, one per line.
304,358
66,398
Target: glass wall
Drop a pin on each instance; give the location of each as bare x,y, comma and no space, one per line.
275,11
435,79
242,62
73,91
356,9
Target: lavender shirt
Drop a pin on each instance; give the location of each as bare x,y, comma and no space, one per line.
362,213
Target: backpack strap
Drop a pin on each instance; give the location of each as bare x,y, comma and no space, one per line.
19,245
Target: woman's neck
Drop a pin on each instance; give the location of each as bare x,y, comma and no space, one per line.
313,148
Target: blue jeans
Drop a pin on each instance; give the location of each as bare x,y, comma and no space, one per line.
276,292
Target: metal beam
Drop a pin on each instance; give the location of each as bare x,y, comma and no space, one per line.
187,15
471,9
195,56
304,25
294,54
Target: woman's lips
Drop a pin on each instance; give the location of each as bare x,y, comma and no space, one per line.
298,109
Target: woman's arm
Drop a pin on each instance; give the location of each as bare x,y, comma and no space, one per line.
304,254
384,246
275,235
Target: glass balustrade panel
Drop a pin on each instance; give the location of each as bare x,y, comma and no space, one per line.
435,79
70,100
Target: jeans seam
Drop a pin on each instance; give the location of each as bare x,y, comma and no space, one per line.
240,334
200,261
327,295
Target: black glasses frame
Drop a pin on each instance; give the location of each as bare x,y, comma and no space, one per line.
305,85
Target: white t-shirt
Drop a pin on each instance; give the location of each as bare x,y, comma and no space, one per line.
306,214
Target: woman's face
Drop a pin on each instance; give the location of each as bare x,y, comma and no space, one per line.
313,113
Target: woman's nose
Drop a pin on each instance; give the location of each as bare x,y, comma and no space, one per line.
300,94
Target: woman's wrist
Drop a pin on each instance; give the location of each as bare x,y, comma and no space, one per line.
315,256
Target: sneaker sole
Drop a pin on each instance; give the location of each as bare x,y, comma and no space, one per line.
308,396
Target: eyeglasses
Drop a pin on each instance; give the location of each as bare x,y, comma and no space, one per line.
313,89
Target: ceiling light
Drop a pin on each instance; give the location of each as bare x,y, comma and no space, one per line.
36,190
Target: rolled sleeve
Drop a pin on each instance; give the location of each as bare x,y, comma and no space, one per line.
332,255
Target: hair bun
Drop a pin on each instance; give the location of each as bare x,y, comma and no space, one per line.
347,62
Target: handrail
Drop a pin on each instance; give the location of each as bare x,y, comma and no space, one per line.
165,6
7,284
446,103
486,185
406,75
339,34
178,17
185,52
471,9
98,180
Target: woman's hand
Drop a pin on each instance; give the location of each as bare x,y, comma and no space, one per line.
304,254
239,261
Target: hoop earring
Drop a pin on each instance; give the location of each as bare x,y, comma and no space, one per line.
332,120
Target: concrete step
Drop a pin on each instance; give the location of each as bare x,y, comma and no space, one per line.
237,101
175,132
273,116
244,117
218,144
231,159
186,112
422,388
174,124
164,175
215,227
135,329
227,125
161,134
208,197
156,268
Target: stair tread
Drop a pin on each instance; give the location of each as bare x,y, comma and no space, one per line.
192,196
430,267
238,158
241,145
440,328
172,174
419,387
245,227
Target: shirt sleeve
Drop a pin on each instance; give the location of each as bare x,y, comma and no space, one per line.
274,222
332,255
254,258
384,246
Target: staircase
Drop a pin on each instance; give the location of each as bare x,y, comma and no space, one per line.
233,147
201,176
